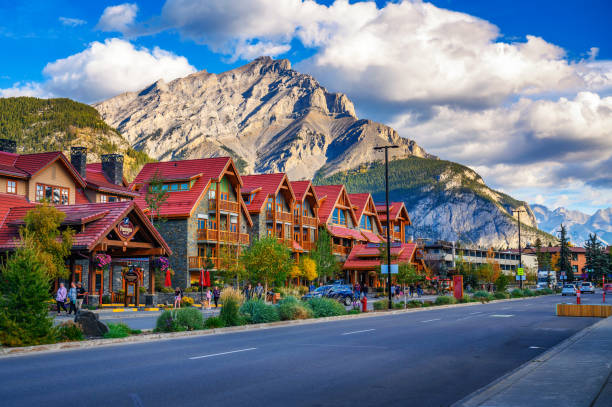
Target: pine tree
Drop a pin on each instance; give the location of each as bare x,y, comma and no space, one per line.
564,262
24,288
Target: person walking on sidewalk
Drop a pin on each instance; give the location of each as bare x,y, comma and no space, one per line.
216,294
411,290
72,295
80,295
177,297
248,291
208,298
259,291
419,290
60,298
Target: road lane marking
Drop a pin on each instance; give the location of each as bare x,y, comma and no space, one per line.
431,320
474,313
357,332
502,315
221,353
535,347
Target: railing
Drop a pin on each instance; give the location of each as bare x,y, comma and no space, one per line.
227,206
396,235
339,249
223,236
280,216
309,246
196,262
308,221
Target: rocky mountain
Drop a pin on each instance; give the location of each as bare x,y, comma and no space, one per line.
446,201
57,124
264,114
579,224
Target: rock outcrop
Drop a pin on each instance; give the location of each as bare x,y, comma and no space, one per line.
579,225
264,114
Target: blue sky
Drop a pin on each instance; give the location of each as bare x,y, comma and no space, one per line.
506,94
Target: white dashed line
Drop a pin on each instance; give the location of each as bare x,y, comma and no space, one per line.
356,332
502,315
431,320
535,347
222,353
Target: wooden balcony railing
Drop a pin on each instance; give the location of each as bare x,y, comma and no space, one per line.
308,221
309,246
280,216
339,249
227,206
223,236
196,262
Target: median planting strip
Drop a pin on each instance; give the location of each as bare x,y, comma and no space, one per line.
63,346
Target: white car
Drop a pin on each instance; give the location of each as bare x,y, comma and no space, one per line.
568,289
587,287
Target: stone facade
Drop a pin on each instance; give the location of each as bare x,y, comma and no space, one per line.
175,233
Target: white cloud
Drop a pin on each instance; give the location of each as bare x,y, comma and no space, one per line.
104,70
72,22
118,18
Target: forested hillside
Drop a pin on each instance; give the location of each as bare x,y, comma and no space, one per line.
57,124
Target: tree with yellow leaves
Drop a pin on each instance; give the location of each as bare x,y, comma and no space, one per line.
490,271
309,269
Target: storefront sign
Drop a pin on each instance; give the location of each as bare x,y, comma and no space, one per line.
125,228
131,276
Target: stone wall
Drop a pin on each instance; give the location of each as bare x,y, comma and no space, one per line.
175,233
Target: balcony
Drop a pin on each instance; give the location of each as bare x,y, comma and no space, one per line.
342,250
308,246
280,216
196,262
225,206
306,221
223,236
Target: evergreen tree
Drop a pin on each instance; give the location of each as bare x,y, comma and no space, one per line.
564,262
24,288
597,262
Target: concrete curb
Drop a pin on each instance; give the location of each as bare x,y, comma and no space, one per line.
500,384
86,344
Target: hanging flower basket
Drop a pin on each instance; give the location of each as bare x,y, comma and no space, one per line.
104,260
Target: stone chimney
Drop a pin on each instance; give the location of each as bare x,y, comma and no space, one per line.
78,159
8,146
112,166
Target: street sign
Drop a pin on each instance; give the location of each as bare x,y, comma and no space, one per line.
394,269
521,278
520,271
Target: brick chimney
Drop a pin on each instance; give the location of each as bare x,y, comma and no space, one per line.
78,159
112,166
8,146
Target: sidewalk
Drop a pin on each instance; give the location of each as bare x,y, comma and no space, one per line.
577,372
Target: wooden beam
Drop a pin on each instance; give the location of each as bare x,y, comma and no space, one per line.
131,244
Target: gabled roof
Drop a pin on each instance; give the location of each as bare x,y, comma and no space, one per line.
183,203
396,210
8,201
99,218
328,198
340,231
28,165
301,188
366,257
264,186
362,201
96,179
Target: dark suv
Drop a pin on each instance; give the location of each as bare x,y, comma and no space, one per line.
341,293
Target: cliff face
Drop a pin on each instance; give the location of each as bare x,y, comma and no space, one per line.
264,114
579,225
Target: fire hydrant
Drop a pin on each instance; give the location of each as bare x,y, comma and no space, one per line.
578,296
364,304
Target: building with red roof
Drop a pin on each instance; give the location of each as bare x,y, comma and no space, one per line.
205,217
367,217
399,220
305,214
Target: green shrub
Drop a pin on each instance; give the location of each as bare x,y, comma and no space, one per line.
398,305
546,291
516,293
326,307
258,312
502,282
415,304
167,323
483,296
119,330
291,308
167,290
427,303
445,300
106,299
230,314
69,331
189,318
213,322
528,293
381,305
465,299
24,288
354,311
499,295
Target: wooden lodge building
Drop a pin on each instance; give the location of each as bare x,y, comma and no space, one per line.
400,220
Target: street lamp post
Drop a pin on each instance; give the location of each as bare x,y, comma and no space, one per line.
386,148
518,212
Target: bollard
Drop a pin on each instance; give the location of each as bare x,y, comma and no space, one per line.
578,296
604,296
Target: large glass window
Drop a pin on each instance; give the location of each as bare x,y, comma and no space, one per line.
52,194
342,217
335,216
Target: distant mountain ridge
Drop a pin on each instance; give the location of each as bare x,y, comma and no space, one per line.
579,224
264,114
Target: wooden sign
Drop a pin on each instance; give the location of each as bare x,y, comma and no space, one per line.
130,276
125,228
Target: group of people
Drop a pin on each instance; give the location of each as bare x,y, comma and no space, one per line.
73,298
211,296
360,290
250,292
396,290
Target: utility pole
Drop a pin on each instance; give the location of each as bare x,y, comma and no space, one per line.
386,148
518,212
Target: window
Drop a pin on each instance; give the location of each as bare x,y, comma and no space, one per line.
11,187
247,198
342,217
296,210
201,223
574,257
270,231
103,198
52,194
269,205
396,228
336,216
174,187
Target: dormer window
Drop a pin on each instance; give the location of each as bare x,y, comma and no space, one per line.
11,187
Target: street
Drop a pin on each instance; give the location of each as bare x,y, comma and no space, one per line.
429,358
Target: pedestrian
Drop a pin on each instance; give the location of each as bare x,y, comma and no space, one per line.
177,297
80,295
259,291
216,294
419,290
208,298
411,290
365,290
357,290
248,292
311,288
72,295
60,298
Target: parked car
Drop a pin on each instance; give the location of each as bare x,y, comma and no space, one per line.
318,292
341,293
607,288
568,289
587,287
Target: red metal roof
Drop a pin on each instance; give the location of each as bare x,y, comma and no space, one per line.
26,165
363,257
104,215
396,209
270,184
96,179
8,201
372,237
328,196
79,197
339,231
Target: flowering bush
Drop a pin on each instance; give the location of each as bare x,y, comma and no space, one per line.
162,263
103,260
186,302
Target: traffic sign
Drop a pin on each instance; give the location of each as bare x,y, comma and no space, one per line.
520,271
394,269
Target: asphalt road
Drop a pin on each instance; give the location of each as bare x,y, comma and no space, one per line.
429,358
